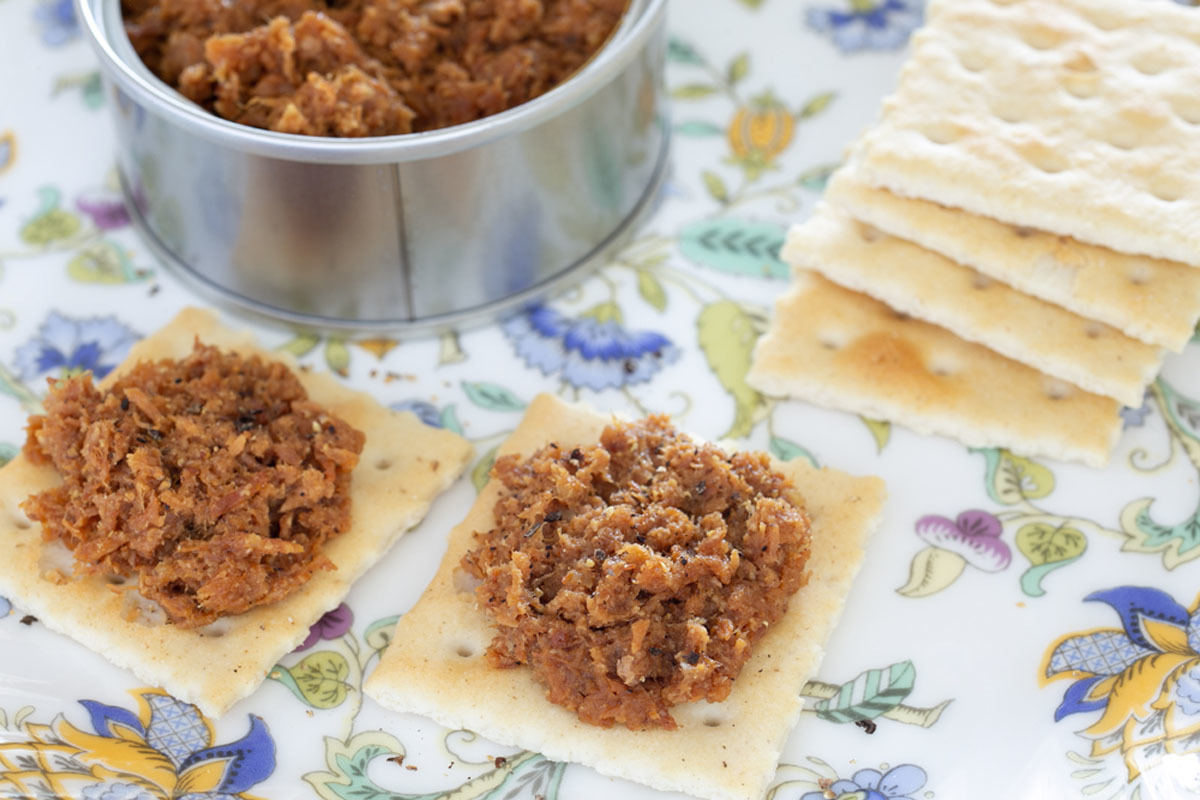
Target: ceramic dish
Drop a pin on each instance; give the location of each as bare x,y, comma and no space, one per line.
996,592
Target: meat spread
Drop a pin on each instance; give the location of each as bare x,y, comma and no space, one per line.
365,67
637,573
212,479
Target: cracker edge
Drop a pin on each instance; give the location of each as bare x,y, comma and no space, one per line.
419,675
767,375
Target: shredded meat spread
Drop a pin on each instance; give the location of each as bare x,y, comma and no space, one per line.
637,573
213,479
365,67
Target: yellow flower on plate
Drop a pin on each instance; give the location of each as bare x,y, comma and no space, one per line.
162,750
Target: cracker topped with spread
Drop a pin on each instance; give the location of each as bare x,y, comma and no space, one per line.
190,516
637,573
212,478
650,618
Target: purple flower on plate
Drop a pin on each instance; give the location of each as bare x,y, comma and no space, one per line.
57,21
105,208
898,783
332,625
867,24
974,535
588,351
69,346
426,412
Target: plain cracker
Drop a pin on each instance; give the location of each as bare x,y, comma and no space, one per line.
403,466
910,279
423,671
1150,299
1078,117
844,350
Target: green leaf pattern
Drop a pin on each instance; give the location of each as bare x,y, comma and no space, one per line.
869,695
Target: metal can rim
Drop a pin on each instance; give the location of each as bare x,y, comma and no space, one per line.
643,19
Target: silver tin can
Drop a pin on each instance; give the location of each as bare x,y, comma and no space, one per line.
393,232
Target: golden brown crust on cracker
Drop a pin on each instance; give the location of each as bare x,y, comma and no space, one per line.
840,349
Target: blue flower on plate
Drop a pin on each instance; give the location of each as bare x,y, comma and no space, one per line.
898,783
593,351
70,346
115,791
425,411
57,21
1135,417
5,607
868,24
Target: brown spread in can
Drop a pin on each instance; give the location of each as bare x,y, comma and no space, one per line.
365,67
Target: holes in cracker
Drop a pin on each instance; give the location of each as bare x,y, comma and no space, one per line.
135,608
1056,389
981,282
55,559
21,524
383,464
1139,275
217,629
1103,18
1093,330
972,60
1152,62
1081,63
714,721
464,649
1130,127
942,132
1009,108
1041,36
1045,158
832,340
1186,107
942,365
1167,188
1123,137
1081,85
868,233
464,582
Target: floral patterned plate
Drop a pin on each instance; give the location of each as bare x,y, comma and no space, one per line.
1020,628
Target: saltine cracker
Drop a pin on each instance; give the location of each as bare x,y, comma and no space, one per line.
1077,117
435,665
403,466
837,348
1093,356
1150,299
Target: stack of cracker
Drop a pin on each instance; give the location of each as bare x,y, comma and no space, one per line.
1010,251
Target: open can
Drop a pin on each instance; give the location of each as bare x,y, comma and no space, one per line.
393,232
